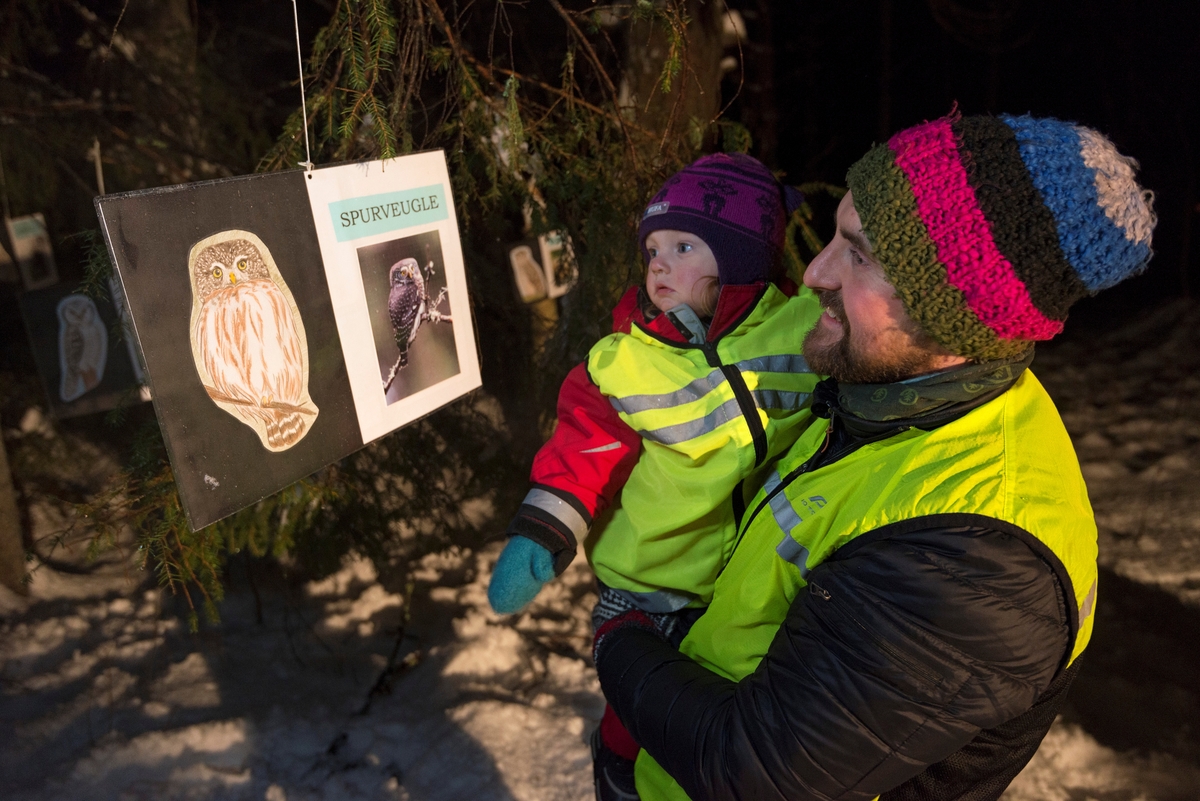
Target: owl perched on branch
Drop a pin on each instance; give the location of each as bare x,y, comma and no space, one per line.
248,339
409,306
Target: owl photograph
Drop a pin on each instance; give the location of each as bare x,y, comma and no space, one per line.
248,340
405,284
82,346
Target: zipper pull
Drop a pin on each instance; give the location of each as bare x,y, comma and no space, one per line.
828,435
819,591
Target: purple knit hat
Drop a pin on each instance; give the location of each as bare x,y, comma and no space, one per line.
733,203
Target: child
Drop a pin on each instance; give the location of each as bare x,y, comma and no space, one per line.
661,431
700,383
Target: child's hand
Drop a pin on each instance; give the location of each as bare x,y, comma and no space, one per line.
523,567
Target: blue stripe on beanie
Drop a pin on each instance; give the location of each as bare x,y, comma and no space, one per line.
1095,246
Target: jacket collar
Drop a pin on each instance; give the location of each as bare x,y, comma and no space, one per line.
925,402
733,304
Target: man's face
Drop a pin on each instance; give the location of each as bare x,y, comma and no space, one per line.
865,336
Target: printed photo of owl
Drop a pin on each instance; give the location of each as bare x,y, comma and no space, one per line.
408,301
248,339
82,346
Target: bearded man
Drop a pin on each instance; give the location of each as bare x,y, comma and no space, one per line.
910,591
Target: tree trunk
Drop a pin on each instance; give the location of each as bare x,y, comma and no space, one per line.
12,545
164,33
694,99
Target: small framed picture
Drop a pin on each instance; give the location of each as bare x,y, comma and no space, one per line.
542,268
558,262
32,251
83,366
529,278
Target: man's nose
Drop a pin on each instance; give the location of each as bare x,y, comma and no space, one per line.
819,274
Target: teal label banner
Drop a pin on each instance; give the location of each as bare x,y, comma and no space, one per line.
378,214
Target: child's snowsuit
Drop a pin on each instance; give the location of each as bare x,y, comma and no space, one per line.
659,438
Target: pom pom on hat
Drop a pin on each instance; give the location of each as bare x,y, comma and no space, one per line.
990,228
733,203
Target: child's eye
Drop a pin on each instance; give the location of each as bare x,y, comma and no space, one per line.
684,247
652,251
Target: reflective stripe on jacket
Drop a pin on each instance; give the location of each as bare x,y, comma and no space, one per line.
709,415
1009,460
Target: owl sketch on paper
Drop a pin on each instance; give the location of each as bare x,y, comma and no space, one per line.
248,339
409,305
82,346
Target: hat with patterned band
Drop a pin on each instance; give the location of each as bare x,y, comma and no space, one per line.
733,203
991,227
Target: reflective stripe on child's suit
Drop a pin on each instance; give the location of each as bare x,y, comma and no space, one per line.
709,415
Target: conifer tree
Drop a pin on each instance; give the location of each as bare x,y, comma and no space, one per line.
555,116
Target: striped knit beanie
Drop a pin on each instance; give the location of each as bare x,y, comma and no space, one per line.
732,202
991,227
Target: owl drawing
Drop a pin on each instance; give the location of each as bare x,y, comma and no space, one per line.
82,346
409,305
248,339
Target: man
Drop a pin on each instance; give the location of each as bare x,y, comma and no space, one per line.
904,606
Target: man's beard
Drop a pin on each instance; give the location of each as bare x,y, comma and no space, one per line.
846,361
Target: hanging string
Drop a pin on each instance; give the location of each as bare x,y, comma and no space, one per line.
3,186
93,153
303,104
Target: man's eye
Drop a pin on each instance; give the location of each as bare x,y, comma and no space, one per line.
857,257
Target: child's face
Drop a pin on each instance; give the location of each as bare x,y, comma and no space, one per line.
682,269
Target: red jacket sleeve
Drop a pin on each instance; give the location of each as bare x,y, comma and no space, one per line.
587,460
592,451
578,471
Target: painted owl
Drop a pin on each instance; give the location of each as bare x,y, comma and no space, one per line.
248,339
82,346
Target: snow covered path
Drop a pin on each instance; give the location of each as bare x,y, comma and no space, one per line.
105,697
304,692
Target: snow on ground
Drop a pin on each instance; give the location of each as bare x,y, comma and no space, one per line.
109,697
305,691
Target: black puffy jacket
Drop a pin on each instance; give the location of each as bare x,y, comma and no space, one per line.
935,636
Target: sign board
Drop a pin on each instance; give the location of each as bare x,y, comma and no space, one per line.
287,319
541,267
32,251
83,366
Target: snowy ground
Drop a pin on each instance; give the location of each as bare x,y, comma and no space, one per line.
306,692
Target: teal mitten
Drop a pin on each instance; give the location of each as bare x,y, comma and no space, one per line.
523,567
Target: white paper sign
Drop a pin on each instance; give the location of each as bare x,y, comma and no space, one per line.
32,251
394,265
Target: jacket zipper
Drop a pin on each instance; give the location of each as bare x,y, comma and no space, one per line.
745,400
808,466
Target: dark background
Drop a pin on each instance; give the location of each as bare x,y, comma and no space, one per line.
152,233
819,82
825,80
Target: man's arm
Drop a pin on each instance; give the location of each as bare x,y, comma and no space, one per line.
903,648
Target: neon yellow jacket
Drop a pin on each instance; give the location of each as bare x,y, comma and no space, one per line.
1009,461
709,416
